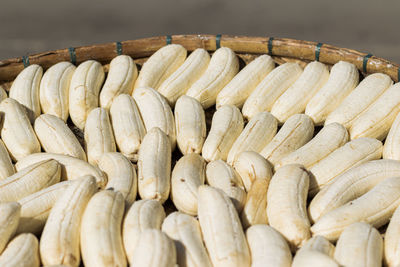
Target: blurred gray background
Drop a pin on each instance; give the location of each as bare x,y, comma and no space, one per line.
28,27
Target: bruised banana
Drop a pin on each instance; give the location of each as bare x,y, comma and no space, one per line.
6,166
22,251
391,148
10,216
392,237
223,66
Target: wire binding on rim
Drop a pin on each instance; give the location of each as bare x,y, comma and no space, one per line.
118,46
365,62
72,55
318,51
270,45
169,39
218,41
25,61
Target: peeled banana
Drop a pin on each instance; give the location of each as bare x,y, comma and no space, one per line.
317,251
392,240
391,148
255,208
319,243
22,251
10,216
6,166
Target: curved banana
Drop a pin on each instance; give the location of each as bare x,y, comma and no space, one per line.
25,89
190,124
294,100
391,148
54,90
10,216
185,76
296,132
392,240
227,124
359,245
374,207
188,174
120,80
127,124
258,133
101,238
268,247
142,215
243,84
270,89
84,91
255,208
313,258
6,166
56,137
328,139
318,243
287,198
17,132
184,230
160,66
22,251
224,65
59,242
222,232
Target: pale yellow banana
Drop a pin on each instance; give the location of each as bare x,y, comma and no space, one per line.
328,139
127,124
270,89
54,90
223,66
84,91
222,231
184,230
56,137
17,132
188,174
319,243
22,251
391,148
227,124
59,242
25,89
120,80
257,134
268,247
294,100
6,166
294,133
160,66
392,241
185,76
10,216
190,125
243,84
286,208
3,94
101,238
313,258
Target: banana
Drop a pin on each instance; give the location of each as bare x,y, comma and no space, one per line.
391,148
294,99
185,76
342,80
156,112
160,66
243,84
251,166
184,230
99,136
54,90
351,185
35,208
188,174
3,94
391,242
286,209
270,89
342,159
313,258
360,99
84,91
121,175
268,247
258,132
6,166
120,80
328,139
10,216
374,207
127,124
22,251
222,231
255,208
359,245
190,124
142,215
227,124
154,166
30,180
296,132
56,137
59,242
319,243
71,168
25,89
156,250
221,175
101,238
17,132
223,66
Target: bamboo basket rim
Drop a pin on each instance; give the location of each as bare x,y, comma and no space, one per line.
144,47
